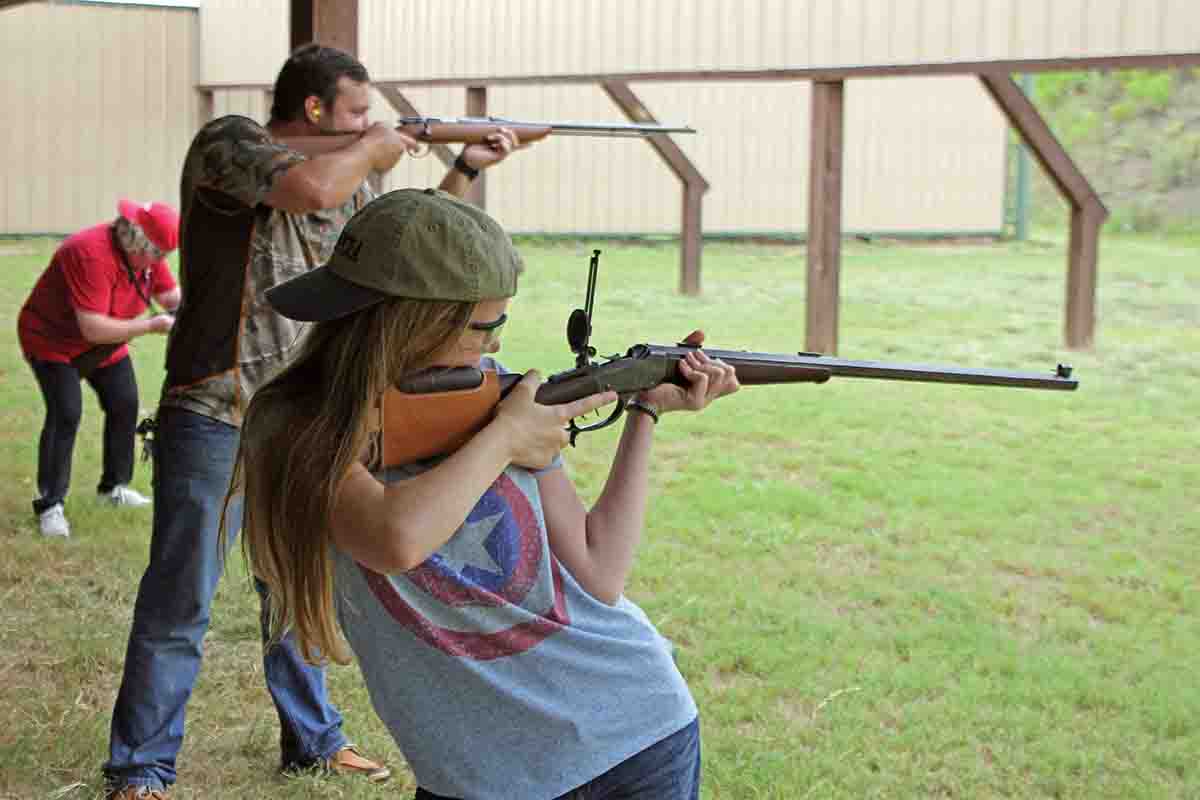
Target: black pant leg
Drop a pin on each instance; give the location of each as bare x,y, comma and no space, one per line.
116,387
64,406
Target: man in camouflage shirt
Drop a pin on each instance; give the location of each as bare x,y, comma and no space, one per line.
259,205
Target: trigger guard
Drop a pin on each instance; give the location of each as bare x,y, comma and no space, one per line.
575,430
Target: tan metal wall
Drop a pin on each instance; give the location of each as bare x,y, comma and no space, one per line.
413,38
100,105
244,40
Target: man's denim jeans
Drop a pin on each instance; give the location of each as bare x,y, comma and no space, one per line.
193,462
666,770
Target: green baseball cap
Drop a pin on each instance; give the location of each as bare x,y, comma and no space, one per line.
424,244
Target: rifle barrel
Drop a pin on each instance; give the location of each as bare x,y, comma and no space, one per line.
1060,379
557,128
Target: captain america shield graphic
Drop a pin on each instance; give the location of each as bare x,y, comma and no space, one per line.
492,590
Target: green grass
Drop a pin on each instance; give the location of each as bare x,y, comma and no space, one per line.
876,590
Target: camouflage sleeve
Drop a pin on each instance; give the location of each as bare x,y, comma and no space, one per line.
235,156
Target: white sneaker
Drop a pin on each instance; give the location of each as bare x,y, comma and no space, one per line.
53,521
124,496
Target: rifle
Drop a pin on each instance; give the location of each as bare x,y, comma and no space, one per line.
437,410
474,130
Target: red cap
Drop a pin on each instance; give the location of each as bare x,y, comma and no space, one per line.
158,221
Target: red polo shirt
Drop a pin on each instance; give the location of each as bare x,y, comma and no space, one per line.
85,274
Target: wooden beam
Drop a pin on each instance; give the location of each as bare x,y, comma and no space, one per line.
477,107
330,22
824,73
824,217
1087,211
693,184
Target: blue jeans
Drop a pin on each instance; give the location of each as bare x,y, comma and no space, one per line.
193,463
666,770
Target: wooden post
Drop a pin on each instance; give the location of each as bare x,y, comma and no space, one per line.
693,184
330,22
1079,326
477,107
1087,211
691,240
824,217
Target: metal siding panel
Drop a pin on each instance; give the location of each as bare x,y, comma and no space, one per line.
1180,26
798,32
94,79
91,107
1139,24
999,19
1104,23
937,30
1063,27
771,33
907,32
42,40
19,94
966,30
878,32
823,23
850,44
243,41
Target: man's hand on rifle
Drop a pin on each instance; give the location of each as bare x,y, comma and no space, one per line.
708,379
387,145
493,150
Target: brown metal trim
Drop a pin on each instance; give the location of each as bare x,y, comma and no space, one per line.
824,217
694,184
406,109
828,73
477,107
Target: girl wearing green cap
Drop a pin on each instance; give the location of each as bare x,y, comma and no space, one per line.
483,601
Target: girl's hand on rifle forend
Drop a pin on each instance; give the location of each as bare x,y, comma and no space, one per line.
709,379
493,150
536,433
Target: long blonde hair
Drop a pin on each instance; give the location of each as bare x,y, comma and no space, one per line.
302,431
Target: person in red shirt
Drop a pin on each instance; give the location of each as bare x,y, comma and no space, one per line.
75,326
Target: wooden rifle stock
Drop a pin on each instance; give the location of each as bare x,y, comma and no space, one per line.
438,132
438,410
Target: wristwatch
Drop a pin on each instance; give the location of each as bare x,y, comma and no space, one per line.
465,168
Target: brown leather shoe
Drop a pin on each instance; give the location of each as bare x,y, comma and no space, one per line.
136,792
351,762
